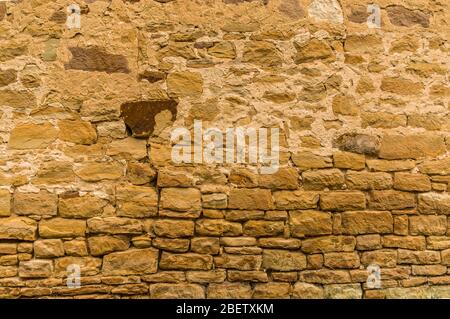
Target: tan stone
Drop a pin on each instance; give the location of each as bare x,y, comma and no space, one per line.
434,203
180,199
42,203
114,225
313,50
187,261
362,43
48,248
173,228
213,227
412,182
418,257
441,167
131,262
62,227
32,136
78,132
366,222
128,148
81,206
296,199
223,50
368,180
261,228
347,291
382,258
5,203
284,178
185,84
217,201
76,248
239,262
102,245
246,198
205,245
368,242
411,146
304,290
349,160
229,291
88,265
140,173
307,160
262,53
345,105
401,86
405,242
283,260
19,228
176,291
382,120
251,276
35,269
271,290
97,171
328,244
390,166
391,199
17,99
341,201
310,223
428,225
320,179
54,172
325,276
136,201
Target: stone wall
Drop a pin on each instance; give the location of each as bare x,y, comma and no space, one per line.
87,178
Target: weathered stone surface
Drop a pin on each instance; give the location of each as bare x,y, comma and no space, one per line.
349,160
114,225
262,53
310,223
242,198
405,17
296,200
97,171
141,116
205,245
42,203
328,10
182,84
391,199
341,201
304,290
20,228
96,59
358,143
5,203
131,262
347,291
308,160
32,136
366,222
428,225
35,269
313,50
212,227
320,179
186,261
7,76
48,248
136,201
81,206
173,228
328,244
229,291
434,203
102,245
239,262
260,228
177,291
411,146
418,257
271,290
180,199
368,181
18,100
412,182
440,167
62,227
283,260
78,132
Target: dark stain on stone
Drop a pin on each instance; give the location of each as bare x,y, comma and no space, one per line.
59,17
2,11
96,59
359,14
7,77
358,143
401,16
139,116
152,76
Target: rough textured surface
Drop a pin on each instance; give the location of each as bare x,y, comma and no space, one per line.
86,175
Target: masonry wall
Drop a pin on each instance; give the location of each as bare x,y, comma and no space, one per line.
86,175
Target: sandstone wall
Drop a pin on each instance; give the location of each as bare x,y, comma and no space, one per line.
86,175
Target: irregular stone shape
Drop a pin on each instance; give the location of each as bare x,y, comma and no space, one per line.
229,290
181,199
296,200
434,203
405,242
304,290
363,44
35,269
216,201
342,201
188,261
5,203
152,76
292,9
176,291
102,245
128,148
440,167
42,203
391,199
96,59
54,172
131,262
283,260
345,105
136,201
412,146
252,276
344,260
31,136
358,143
307,160
313,50
366,222
262,53
310,223
140,173
401,16
12,50
223,50
328,10
272,290
2,11
347,291
17,99
401,86
81,206
76,248
217,227
325,178
114,225
368,180
382,120
412,182
140,117
173,228
246,198
239,262
261,228
97,171
428,225
19,228
48,248
78,132
7,77
172,245
185,84
418,257
284,178
61,227
328,244
88,265
205,245
242,1
50,50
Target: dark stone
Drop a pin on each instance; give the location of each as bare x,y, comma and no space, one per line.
152,76
358,143
96,59
139,116
2,11
359,14
203,45
7,77
59,17
401,16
